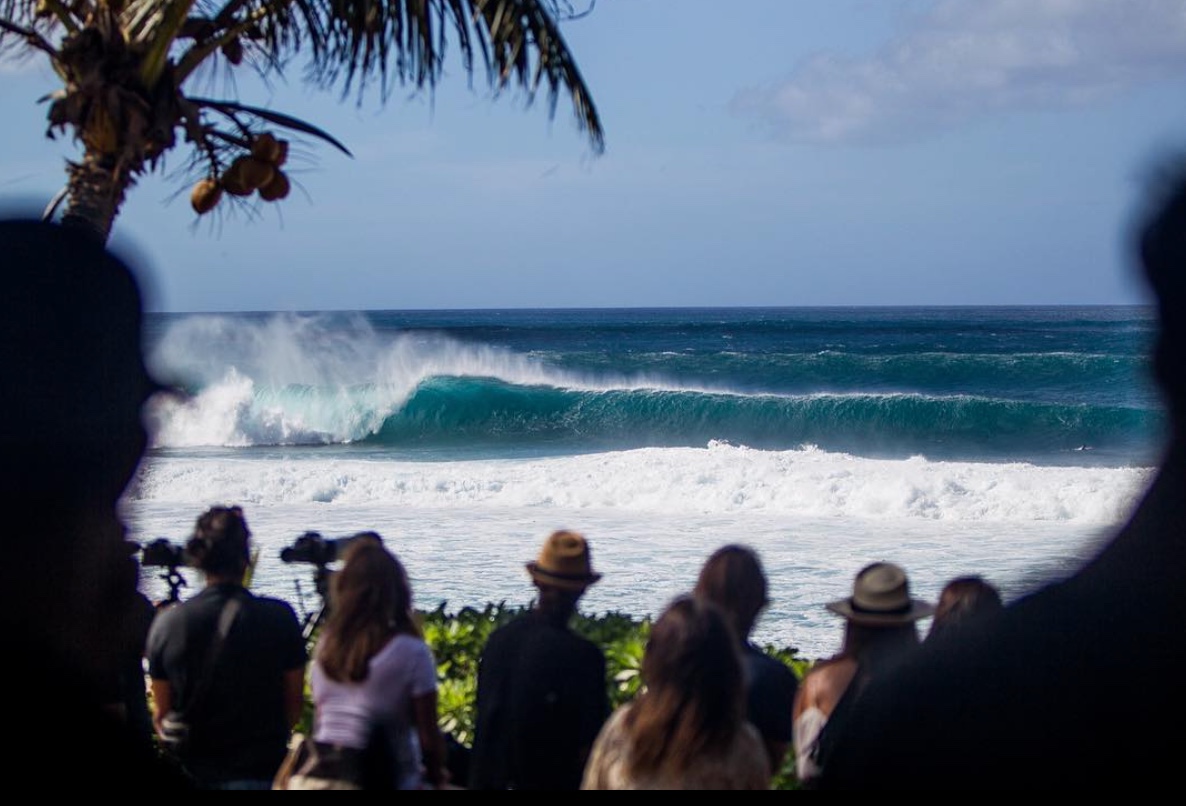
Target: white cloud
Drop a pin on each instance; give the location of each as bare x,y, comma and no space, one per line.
965,59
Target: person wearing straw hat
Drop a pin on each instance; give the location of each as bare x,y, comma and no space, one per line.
542,693
880,627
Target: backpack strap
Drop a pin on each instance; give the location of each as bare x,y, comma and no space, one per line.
226,618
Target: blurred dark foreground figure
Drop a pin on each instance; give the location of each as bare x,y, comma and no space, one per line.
71,437
1080,683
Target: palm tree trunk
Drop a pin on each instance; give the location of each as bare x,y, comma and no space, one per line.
95,193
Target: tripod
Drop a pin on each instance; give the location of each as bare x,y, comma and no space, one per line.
314,618
176,582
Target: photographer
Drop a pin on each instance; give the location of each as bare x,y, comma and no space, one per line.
227,667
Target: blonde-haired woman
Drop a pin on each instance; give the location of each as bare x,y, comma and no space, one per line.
686,729
374,677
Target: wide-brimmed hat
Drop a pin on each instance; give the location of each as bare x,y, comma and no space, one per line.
564,562
881,597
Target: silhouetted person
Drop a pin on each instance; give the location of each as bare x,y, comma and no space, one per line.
240,707
686,728
542,689
71,437
880,629
1080,682
963,602
733,579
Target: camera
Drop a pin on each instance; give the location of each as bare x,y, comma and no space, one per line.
314,549
320,551
162,553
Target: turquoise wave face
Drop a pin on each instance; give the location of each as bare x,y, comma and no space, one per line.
488,412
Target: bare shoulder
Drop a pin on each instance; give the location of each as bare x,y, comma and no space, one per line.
826,681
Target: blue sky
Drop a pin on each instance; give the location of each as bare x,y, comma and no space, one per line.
764,152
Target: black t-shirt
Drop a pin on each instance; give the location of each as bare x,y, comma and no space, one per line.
541,700
771,687
239,729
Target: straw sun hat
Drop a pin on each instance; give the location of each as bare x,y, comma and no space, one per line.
881,597
564,562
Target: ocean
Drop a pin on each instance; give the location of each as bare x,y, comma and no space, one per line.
1004,441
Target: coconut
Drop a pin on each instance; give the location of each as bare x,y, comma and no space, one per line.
266,147
232,182
205,195
277,189
248,173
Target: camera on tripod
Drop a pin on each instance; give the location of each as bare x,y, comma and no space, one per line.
314,549
319,551
163,554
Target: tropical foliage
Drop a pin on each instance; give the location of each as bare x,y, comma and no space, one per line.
127,69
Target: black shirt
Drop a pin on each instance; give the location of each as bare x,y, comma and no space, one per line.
542,698
770,686
239,729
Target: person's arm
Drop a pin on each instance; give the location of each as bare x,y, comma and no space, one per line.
162,701
294,695
432,741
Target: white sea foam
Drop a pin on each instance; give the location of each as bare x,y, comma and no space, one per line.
717,480
466,528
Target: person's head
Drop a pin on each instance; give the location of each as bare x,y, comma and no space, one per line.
562,571
1162,249
370,601
220,546
733,579
963,600
75,379
880,616
693,696
71,437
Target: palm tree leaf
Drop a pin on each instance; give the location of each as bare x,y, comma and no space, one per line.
280,119
357,43
173,14
510,37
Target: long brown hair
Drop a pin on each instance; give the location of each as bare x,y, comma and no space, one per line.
370,602
963,600
693,700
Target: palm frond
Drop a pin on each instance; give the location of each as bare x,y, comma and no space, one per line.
403,42
287,121
169,21
35,39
